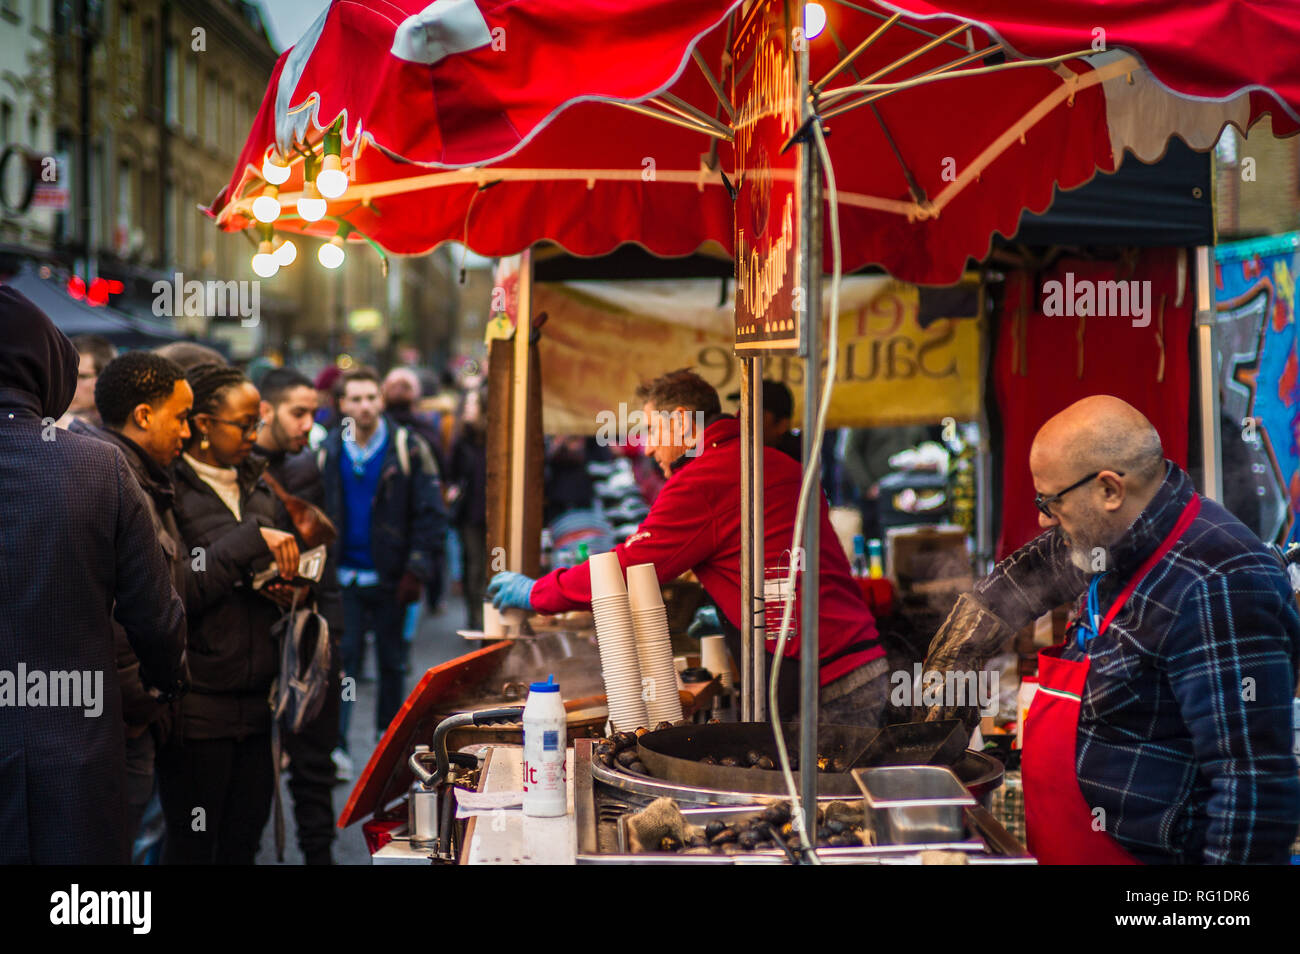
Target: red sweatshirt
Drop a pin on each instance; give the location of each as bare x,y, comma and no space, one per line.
695,525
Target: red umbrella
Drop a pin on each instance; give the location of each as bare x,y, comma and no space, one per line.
936,143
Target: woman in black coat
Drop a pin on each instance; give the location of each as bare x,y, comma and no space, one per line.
216,779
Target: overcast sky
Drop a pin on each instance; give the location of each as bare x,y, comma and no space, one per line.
288,19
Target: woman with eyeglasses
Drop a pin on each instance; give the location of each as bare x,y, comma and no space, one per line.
216,779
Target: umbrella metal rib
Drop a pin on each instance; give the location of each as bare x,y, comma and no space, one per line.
842,91
714,84
902,23
676,120
848,58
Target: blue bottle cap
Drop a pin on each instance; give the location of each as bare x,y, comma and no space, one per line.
550,685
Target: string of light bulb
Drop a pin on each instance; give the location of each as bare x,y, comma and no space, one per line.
271,255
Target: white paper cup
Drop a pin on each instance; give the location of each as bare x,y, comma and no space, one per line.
715,658
492,620
643,587
606,575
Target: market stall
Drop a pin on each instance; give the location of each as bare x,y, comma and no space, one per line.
947,176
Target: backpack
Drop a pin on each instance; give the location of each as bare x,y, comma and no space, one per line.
304,679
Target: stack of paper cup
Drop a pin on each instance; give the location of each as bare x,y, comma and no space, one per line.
653,646
715,658
616,640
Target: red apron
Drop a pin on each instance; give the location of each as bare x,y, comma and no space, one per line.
1059,823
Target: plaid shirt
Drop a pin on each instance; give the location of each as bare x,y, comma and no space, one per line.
1185,727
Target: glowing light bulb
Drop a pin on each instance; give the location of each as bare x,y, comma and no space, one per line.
266,207
264,263
332,181
311,206
273,172
814,20
331,255
286,254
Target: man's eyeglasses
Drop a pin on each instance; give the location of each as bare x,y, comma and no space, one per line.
1044,503
249,430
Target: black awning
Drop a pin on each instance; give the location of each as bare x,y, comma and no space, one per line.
1164,204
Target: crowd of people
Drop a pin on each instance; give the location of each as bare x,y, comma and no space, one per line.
182,482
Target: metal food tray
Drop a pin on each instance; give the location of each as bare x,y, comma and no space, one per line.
989,845
700,817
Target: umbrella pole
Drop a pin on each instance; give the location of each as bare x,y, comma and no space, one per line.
753,678
810,270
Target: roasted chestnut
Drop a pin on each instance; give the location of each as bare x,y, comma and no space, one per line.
836,827
843,841
765,763
729,762
623,740
663,725
697,841
713,829
723,837
640,731
752,757
606,759
669,843
708,760
777,814
638,767
627,757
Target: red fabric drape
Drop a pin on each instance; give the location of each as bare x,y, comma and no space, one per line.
1037,370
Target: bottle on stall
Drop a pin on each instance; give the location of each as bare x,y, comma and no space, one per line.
859,556
582,553
545,739
876,559
548,553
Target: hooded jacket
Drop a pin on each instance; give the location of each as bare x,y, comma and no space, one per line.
77,550
695,525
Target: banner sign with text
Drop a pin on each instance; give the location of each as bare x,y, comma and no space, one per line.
603,339
765,90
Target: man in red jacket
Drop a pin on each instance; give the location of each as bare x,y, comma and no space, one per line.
695,525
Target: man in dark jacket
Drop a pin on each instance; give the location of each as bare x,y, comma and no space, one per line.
288,409
77,549
383,493
144,403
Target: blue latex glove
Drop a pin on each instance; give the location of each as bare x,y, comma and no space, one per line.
511,591
706,622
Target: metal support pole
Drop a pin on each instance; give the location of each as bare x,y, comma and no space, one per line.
810,271
758,660
748,683
1207,372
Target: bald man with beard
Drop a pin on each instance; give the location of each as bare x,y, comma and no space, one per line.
1161,729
